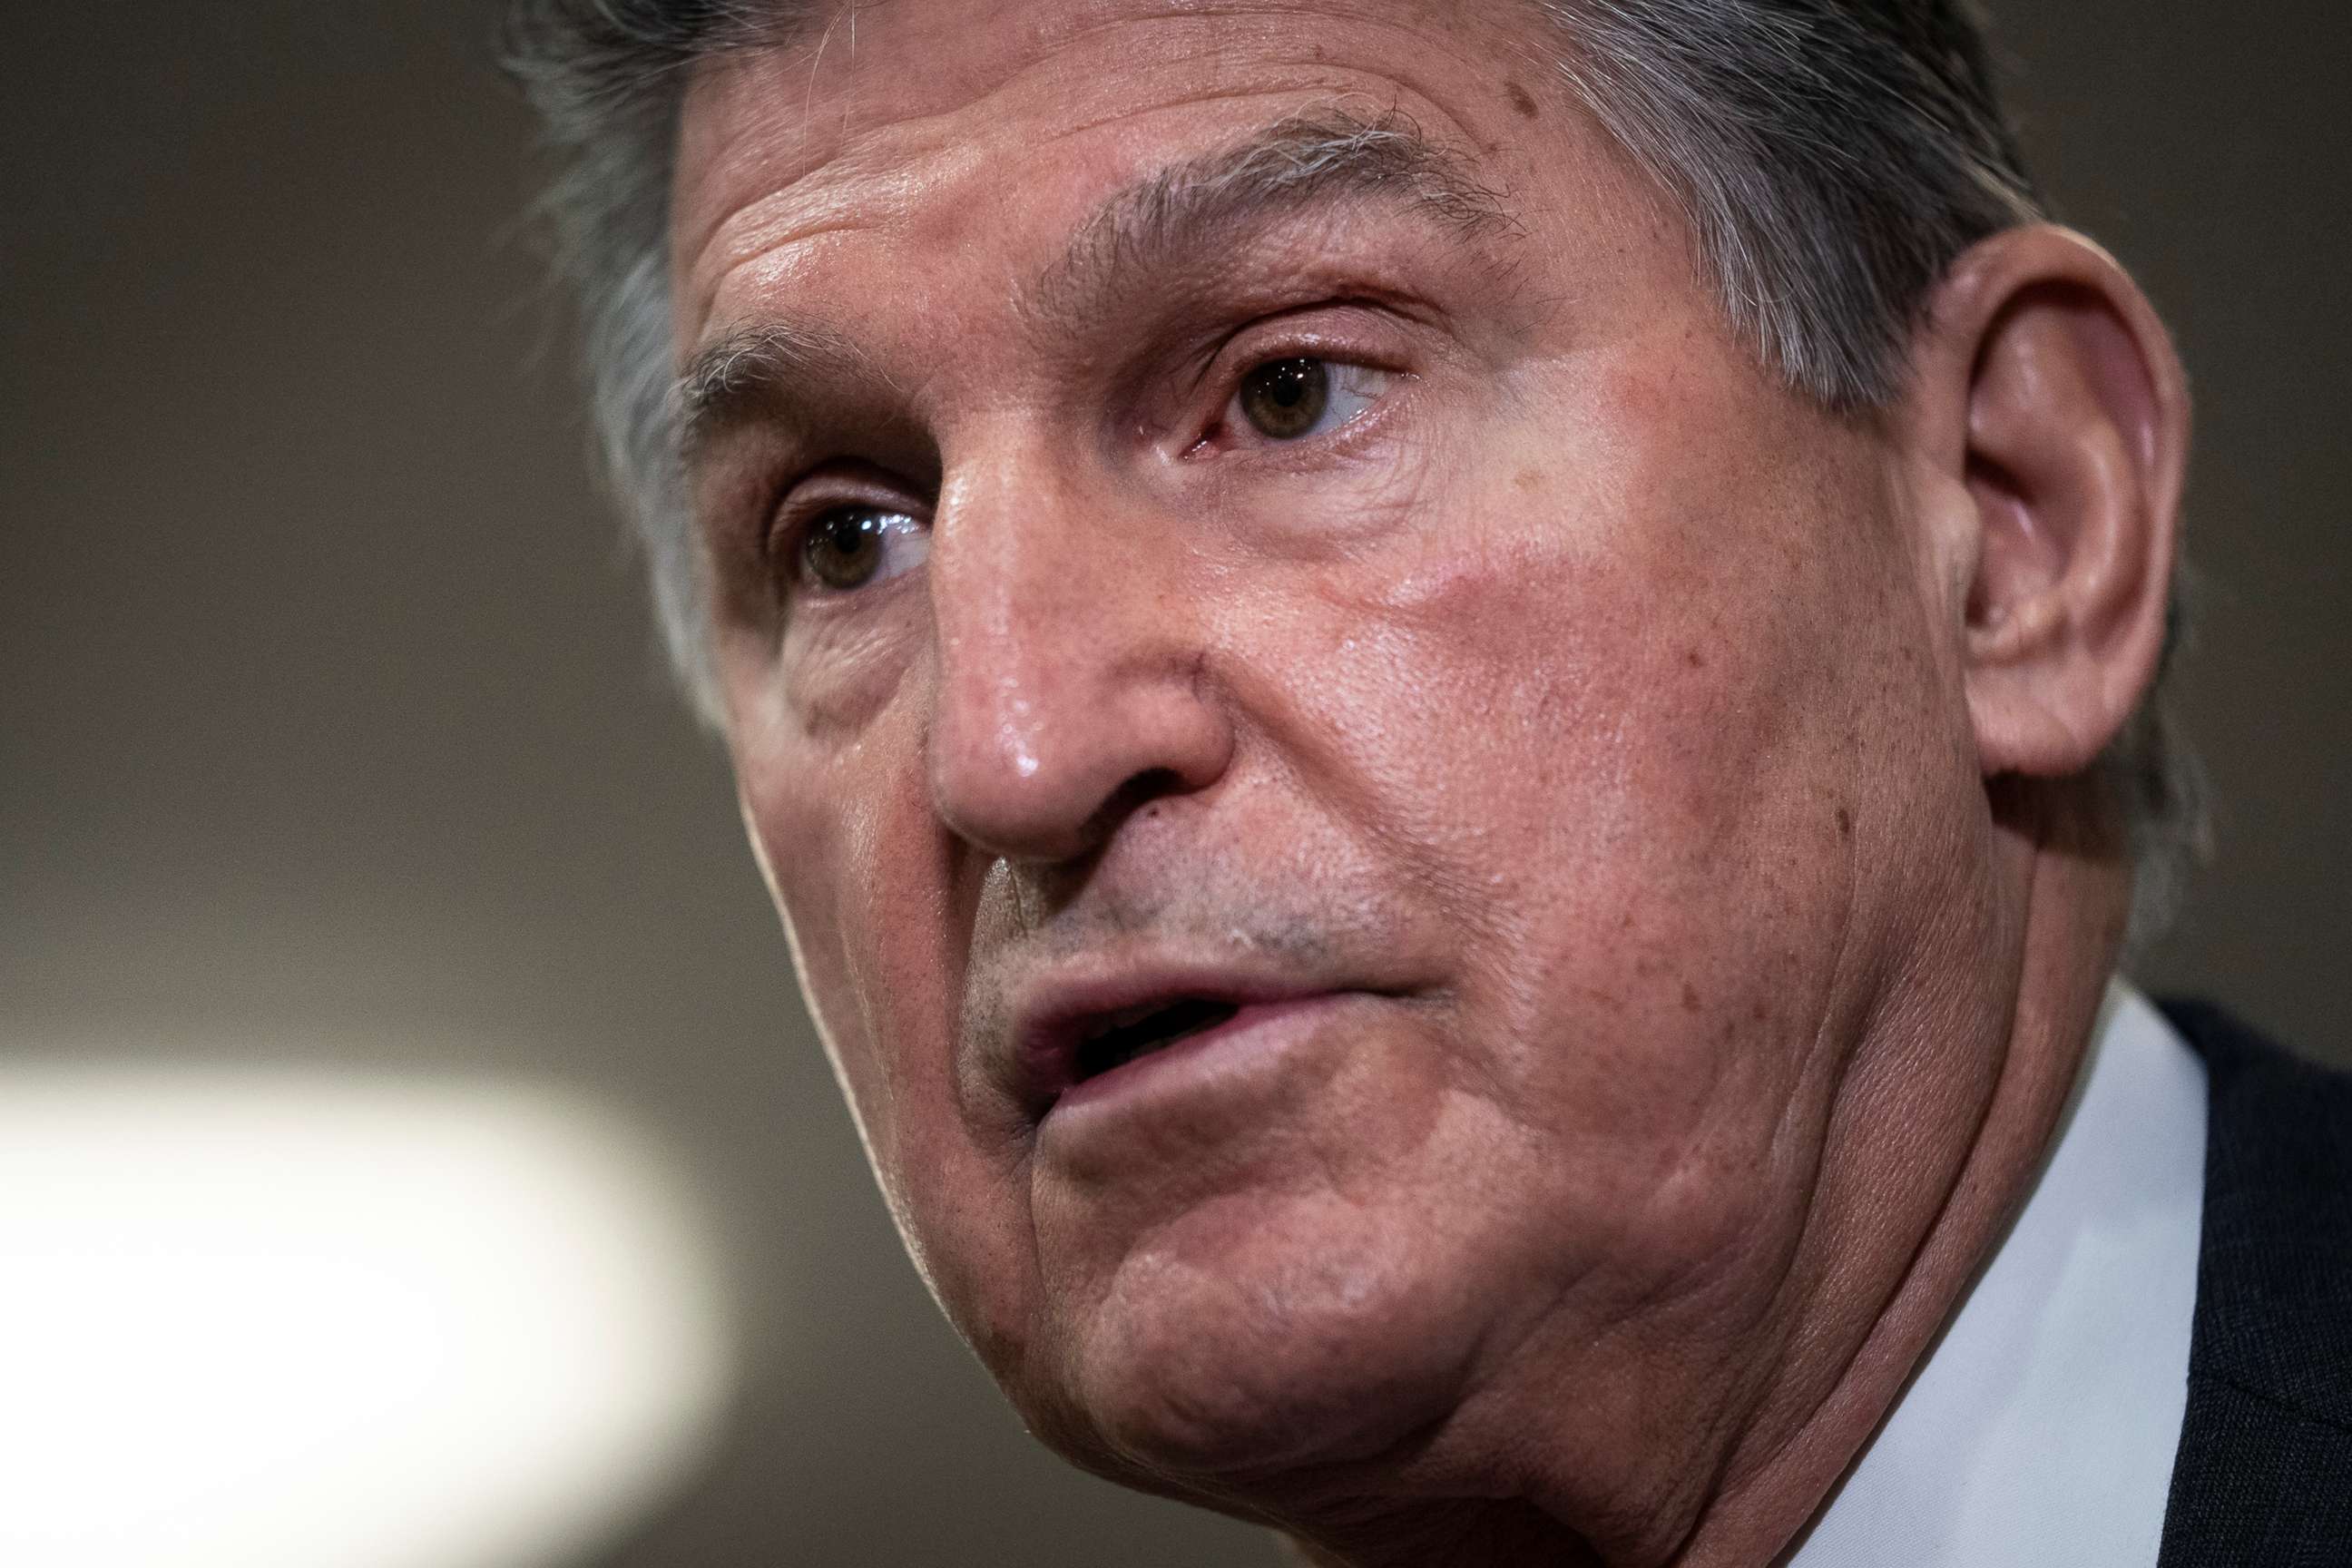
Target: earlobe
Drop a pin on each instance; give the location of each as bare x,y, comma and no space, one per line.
2072,448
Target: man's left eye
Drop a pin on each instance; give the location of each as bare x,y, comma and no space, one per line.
1291,399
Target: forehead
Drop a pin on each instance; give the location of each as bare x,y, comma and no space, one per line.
928,120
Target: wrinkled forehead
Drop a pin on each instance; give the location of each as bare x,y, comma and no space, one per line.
875,114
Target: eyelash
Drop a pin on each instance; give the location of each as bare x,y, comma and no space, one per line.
1322,347
1338,378
790,522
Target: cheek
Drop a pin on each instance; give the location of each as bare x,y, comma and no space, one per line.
808,847
864,882
1604,746
835,813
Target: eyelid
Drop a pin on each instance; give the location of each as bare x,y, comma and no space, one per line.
830,486
1227,428
1294,335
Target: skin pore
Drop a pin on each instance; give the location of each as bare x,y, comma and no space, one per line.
1643,815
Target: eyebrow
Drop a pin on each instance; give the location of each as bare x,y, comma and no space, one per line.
1140,234
739,376
1293,166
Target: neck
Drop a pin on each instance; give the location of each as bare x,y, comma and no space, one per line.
2075,896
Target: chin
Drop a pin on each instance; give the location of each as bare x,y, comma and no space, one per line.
1222,1363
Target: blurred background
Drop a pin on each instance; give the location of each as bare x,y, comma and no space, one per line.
412,1148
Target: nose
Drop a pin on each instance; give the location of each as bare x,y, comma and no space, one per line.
1072,681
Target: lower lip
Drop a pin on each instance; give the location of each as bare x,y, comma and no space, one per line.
1254,1035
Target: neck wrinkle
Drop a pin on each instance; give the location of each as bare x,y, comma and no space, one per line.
2065,949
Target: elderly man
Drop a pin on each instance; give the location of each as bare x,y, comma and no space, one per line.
1452,710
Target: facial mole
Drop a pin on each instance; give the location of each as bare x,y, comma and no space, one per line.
1520,101
1845,823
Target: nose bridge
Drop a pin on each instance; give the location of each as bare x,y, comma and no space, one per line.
1010,557
1067,654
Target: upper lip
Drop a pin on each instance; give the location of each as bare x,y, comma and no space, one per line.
1052,1011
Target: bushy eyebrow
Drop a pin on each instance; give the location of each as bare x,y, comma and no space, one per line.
1140,234
756,369
1151,228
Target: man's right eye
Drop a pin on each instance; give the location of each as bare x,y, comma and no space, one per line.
849,547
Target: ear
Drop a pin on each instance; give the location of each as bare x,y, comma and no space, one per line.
2046,390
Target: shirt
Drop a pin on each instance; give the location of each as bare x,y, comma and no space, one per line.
2041,1426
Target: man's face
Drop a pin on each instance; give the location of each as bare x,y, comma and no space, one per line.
1243,519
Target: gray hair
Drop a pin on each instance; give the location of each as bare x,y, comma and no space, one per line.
1832,158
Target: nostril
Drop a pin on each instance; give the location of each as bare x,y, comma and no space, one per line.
1140,796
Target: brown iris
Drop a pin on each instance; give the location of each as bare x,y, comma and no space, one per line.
1285,398
843,549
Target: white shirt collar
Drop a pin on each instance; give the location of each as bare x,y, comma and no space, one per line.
2042,1425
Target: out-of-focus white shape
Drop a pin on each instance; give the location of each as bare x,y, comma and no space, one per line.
253,1319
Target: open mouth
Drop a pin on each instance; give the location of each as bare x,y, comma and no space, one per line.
1117,1038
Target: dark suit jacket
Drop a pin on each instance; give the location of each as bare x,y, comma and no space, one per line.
2263,1478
